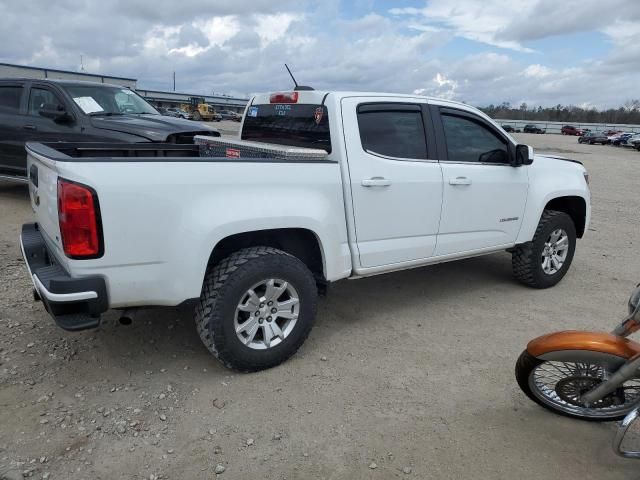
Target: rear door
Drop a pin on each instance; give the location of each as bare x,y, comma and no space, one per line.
13,158
484,196
395,180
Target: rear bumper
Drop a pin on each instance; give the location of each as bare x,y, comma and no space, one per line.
74,303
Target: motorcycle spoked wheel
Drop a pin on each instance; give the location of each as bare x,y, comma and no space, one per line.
557,385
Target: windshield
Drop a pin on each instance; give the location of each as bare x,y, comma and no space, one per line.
105,100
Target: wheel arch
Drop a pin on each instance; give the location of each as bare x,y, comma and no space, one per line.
302,243
575,207
574,202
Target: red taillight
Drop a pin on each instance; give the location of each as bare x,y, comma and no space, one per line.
79,216
284,97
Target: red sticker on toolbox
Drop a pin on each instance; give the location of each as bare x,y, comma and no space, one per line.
233,153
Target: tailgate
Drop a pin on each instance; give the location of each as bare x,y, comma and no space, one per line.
43,192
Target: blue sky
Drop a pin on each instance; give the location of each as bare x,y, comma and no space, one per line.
542,52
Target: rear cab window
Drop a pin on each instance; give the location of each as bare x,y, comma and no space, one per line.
303,125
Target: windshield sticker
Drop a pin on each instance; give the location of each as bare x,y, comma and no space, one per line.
318,114
253,112
88,104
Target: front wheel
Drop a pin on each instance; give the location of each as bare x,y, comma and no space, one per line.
545,260
256,308
557,385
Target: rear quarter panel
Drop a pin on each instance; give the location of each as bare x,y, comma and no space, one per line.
161,220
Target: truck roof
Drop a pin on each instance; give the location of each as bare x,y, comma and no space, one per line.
317,96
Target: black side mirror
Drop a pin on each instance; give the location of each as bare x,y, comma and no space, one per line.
524,155
55,112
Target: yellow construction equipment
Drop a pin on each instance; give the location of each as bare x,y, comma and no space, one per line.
199,109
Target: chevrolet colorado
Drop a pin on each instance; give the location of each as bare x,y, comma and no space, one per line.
318,187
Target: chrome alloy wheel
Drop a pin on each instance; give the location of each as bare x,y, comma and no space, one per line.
561,384
266,314
555,251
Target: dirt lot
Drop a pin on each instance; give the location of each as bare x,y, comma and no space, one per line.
410,373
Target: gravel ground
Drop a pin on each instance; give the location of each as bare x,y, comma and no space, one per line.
406,375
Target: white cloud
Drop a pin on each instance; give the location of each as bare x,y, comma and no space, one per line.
537,71
477,21
218,30
274,26
510,24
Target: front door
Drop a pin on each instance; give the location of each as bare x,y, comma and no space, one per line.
484,196
42,129
396,189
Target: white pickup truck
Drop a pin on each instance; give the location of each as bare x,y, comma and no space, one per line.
319,186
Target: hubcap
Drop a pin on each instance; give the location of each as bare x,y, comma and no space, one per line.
266,314
555,251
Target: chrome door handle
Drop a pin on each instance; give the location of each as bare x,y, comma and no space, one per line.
460,181
376,182
30,127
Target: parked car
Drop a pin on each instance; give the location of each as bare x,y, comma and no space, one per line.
571,130
594,137
229,115
73,111
620,139
634,141
179,113
533,129
252,231
508,128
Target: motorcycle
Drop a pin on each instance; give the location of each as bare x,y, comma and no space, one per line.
587,375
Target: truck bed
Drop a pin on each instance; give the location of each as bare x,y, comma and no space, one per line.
164,207
208,149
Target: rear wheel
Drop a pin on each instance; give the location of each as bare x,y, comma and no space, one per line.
196,116
256,309
558,385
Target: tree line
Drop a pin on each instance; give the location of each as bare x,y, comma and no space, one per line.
628,113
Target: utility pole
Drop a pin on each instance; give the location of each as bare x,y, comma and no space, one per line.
81,64
174,81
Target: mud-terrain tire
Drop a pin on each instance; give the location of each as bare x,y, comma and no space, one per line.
224,287
527,258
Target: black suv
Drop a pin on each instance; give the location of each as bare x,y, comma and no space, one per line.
532,129
74,111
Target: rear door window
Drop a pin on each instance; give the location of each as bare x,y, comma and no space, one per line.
296,125
10,97
392,130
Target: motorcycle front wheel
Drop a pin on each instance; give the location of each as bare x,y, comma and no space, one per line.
557,385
